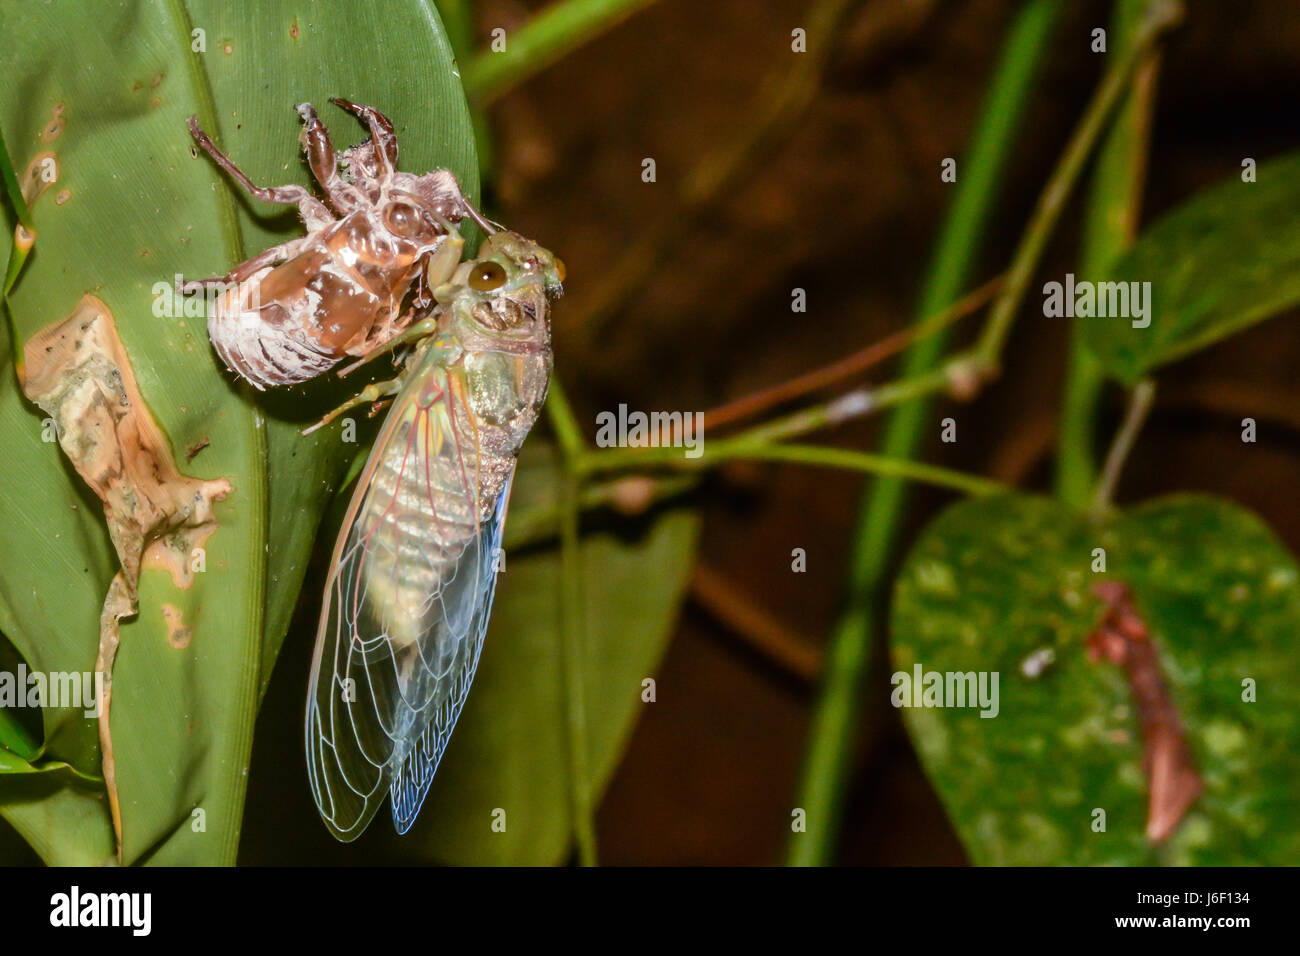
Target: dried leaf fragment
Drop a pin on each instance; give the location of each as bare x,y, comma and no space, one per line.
78,372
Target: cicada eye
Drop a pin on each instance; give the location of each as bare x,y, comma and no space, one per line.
559,268
486,276
402,219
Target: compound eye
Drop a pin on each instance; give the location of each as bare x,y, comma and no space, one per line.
402,219
559,268
486,276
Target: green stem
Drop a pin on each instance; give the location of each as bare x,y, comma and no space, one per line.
1139,407
12,188
573,656
743,449
567,432
1110,227
835,715
23,237
1159,15
543,40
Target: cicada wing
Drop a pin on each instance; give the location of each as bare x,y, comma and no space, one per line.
409,596
467,606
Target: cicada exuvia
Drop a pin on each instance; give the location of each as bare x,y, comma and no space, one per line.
410,584
296,309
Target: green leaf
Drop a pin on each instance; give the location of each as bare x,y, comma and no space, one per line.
137,208
1224,260
992,582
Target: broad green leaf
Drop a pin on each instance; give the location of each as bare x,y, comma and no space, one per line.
1224,260
132,208
993,584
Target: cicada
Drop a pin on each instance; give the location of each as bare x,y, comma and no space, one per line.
295,310
410,584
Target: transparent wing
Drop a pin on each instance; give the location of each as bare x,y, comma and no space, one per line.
407,605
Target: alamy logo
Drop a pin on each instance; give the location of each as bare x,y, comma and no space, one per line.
24,688
626,429
1129,300
923,688
75,908
201,299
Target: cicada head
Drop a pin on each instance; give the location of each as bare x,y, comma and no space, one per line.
505,293
500,316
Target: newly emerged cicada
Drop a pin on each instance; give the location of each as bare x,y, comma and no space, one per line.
296,309
411,581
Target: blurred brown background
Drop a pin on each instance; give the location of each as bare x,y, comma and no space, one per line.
846,203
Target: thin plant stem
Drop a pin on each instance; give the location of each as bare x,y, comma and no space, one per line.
835,714
1139,406
567,432
573,655
1113,208
12,189
628,494
24,236
754,404
749,449
1159,16
546,38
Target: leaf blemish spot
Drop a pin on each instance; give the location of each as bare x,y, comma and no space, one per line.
178,633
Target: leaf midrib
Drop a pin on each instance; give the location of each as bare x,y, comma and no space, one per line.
240,744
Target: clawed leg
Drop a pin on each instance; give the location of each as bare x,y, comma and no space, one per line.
484,223
381,134
343,196
443,263
371,393
311,208
245,270
412,333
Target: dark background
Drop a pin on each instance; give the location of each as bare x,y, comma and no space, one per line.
846,204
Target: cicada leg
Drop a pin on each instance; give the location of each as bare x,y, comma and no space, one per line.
314,212
371,393
443,263
484,223
414,332
343,196
381,132
244,270
441,267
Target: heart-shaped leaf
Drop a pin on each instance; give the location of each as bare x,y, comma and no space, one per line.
1005,586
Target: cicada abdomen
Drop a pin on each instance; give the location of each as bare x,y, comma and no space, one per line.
295,310
413,573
